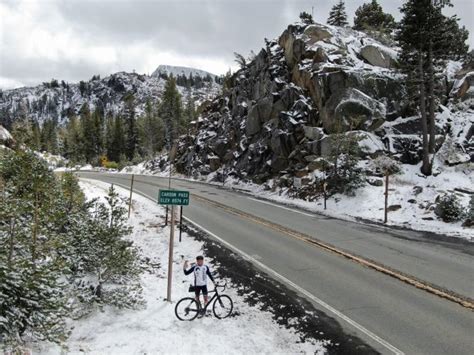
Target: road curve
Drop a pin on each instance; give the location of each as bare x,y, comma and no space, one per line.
402,316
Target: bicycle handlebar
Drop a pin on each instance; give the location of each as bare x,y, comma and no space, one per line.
221,285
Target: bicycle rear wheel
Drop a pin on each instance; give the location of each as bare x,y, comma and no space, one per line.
222,306
187,309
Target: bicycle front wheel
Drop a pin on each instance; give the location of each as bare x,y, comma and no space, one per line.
222,307
187,309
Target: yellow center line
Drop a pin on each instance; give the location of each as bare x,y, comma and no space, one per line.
450,295
408,279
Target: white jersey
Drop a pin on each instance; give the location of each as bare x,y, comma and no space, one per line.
200,274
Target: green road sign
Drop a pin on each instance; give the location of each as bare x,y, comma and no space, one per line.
173,197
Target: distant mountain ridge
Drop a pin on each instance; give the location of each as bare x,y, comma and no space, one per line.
178,70
59,100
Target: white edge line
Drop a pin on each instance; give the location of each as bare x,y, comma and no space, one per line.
282,207
301,290
319,301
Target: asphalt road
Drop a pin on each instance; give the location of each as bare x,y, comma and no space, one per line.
387,313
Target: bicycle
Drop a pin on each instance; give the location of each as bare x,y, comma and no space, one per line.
188,308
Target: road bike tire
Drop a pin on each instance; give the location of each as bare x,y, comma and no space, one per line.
222,307
187,309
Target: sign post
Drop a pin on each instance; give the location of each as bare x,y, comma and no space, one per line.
180,222
170,256
172,198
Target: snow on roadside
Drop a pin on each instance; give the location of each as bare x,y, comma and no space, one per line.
155,329
369,200
416,212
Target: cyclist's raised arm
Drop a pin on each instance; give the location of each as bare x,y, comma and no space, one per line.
187,272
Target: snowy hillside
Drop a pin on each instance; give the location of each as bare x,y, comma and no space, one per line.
176,70
59,100
317,87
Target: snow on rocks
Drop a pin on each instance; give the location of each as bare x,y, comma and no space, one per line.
5,136
155,328
379,56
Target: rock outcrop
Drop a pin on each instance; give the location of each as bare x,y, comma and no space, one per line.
278,116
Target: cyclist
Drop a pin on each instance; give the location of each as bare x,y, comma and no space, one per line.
201,272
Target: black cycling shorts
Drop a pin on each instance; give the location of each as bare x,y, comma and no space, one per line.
198,289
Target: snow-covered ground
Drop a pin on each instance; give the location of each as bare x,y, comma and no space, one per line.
54,161
155,328
368,204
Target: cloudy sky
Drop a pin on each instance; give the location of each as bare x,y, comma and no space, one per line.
75,39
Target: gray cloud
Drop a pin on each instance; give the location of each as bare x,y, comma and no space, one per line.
75,39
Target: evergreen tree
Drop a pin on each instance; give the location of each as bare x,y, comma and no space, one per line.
89,135
227,82
49,136
73,140
23,132
449,208
131,132
306,18
342,172
190,109
32,299
108,255
35,136
116,140
52,244
337,15
171,112
425,42
370,16
151,131
469,222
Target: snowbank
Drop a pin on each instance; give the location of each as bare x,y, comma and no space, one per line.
155,329
368,203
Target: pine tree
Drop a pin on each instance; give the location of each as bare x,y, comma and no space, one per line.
306,18
337,15
108,255
51,246
36,136
32,298
131,132
341,167
370,16
73,140
190,109
151,131
89,144
171,112
469,222
425,43
116,140
49,137
240,60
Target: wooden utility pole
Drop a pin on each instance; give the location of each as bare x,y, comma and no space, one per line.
325,187
130,200
386,199
170,256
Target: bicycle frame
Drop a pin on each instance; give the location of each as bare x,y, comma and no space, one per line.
214,296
